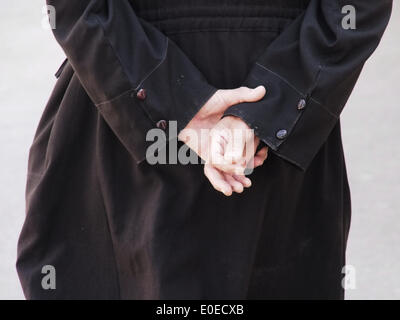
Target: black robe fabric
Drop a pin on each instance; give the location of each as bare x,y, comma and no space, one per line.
115,227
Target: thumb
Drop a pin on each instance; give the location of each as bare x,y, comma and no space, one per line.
243,94
255,94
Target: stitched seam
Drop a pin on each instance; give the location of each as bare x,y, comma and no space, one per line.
289,160
283,79
122,65
157,66
129,92
111,45
115,98
299,92
296,120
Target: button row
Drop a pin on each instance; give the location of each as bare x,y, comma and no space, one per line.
141,95
282,133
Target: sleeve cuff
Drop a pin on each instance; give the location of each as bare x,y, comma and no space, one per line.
289,122
174,91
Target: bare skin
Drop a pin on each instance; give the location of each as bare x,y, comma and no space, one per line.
226,156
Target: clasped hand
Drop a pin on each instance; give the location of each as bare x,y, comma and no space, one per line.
226,144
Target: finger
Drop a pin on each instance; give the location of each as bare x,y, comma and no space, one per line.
246,182
235,146
250,148
217,148
230,168
260,157
243,94
263,153
258,162
235,185
217,180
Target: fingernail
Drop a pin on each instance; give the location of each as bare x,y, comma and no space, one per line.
227,192
262,87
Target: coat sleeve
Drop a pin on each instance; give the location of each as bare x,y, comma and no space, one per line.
132,72
309,71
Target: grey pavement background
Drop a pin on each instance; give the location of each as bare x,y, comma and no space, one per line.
371,128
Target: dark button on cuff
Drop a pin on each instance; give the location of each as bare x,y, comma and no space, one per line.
162,124
301,105
141,94
281,134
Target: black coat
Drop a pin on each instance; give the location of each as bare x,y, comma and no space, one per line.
114,226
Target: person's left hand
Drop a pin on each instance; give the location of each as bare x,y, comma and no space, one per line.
233,148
